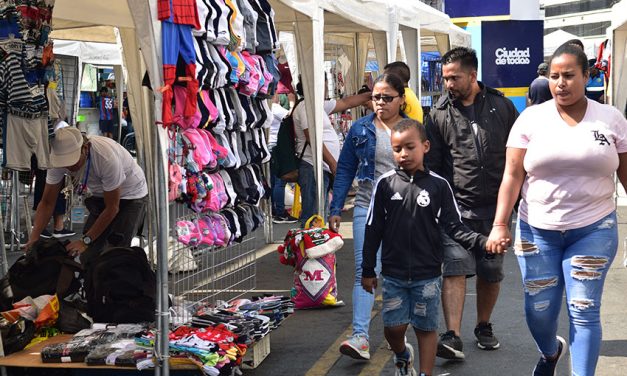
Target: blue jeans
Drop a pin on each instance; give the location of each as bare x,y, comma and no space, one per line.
362,299
416,302
577,260
308,194
278,196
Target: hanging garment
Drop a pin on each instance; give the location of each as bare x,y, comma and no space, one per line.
25,137
207,70
238,109
224,68
250,25
236,25
178,17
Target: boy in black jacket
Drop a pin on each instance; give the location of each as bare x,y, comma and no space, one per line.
408,207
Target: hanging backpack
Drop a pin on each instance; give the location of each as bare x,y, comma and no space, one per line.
120,287
284,161
46,269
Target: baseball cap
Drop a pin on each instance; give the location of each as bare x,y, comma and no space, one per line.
543,67
66,147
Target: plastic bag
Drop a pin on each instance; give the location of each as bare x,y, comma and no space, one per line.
43,310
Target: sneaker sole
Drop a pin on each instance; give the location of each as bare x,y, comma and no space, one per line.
486,347
353,353
411,370
447,352
282,221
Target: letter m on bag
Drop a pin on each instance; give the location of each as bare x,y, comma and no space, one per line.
315,276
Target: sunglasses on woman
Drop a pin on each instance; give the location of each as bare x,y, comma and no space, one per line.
384,98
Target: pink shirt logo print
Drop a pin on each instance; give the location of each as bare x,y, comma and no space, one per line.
598,136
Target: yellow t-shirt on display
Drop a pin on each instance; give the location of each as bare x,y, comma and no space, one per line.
413,108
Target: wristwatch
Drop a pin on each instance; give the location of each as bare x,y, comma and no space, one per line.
86,240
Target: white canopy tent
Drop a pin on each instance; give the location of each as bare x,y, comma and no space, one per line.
555,39
417,21
618,74
309,21
379,21
97,53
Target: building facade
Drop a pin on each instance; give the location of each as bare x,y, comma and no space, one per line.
587,19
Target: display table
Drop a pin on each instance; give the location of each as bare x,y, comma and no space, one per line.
31,357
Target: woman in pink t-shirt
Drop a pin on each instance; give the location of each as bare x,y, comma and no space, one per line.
561,158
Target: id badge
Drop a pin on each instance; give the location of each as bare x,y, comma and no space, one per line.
78,212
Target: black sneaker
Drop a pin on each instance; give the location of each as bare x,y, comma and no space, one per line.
547,367
450,346
485,337
63,233
45,234
284,218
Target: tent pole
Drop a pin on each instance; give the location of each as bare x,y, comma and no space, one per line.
119,82
163,318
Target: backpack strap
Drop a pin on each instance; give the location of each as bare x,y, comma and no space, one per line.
300,156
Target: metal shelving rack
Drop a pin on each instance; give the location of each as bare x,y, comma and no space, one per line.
208,274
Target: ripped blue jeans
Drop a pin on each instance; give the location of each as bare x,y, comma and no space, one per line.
576,260
415,302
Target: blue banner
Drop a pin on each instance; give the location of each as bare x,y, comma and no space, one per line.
511,52
476,8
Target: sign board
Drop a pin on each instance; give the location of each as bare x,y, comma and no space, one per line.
511,52
476,8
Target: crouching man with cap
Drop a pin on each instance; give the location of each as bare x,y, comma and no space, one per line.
106,180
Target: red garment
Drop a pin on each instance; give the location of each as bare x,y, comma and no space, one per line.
185,12
169,75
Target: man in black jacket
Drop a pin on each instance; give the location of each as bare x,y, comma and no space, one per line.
468,130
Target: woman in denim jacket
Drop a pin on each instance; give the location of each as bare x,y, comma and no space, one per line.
366,159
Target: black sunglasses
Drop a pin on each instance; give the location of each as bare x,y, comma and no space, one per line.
384,98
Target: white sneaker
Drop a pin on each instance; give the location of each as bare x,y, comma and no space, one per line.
357,347
405,367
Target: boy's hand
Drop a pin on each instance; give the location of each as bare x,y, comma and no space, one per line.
334,223
369,284
499,240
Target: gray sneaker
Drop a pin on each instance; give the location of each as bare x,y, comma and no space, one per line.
486,340
450,346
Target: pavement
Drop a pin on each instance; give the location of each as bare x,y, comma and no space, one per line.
307,343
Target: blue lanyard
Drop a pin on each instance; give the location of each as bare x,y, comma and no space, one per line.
83,186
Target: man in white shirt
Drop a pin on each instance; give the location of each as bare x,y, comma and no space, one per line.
330,149
279,214
109,182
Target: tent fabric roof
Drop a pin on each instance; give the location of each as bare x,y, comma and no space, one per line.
339,17
619,16
67,14
555,39
90,52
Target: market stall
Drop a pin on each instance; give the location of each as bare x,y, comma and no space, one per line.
134,24
369,21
